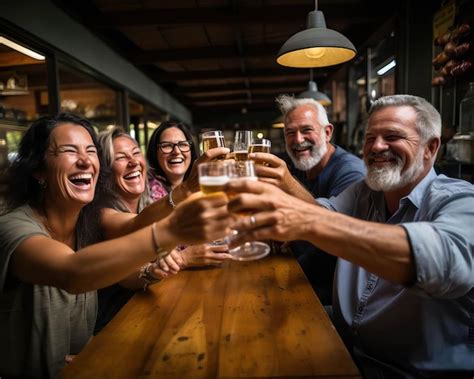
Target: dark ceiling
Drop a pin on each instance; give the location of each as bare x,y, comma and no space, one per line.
217,57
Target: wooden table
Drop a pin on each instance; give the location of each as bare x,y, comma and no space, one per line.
243,320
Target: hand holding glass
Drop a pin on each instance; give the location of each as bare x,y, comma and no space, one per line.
212,140
249,251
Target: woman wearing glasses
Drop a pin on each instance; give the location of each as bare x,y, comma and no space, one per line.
170,154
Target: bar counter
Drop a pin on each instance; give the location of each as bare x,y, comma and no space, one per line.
256,319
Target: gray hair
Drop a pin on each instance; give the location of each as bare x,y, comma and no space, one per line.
428,119
106,141
287,103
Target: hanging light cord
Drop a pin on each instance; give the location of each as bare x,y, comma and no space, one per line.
315,5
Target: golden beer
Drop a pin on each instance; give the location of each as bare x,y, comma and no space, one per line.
241,155
212,184
259,149
211,142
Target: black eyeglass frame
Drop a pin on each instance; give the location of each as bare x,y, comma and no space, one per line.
174,145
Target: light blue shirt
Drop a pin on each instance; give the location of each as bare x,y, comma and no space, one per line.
428,327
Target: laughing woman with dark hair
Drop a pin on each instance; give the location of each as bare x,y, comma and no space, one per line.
50,266
171,154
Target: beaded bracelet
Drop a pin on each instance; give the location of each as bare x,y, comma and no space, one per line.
147,277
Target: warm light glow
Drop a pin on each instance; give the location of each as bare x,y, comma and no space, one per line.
315,52
152,125
260,135
21,49
387,67
278,125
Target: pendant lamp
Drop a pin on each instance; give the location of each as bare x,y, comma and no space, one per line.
316,46
313,93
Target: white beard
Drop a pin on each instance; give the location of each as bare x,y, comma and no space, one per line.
391,178
317,153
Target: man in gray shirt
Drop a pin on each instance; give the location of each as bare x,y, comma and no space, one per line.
404,285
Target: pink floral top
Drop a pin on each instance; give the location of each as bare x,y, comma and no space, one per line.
158,188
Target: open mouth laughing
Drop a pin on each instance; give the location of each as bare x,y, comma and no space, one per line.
301,148
83,180
133,176
175,161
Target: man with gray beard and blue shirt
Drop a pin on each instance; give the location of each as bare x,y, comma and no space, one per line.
403,295
322,168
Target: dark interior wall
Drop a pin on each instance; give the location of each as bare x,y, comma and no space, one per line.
415,48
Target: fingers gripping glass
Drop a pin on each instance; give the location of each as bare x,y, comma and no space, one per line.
168,147
249,251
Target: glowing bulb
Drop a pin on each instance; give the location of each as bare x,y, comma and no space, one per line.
315,52
260,135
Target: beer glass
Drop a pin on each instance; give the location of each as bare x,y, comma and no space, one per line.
213,176
242,141
260,145
211,140
249,251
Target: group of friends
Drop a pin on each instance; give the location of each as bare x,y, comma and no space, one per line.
81,214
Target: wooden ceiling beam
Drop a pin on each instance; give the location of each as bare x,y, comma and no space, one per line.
229,15
242,101
241,87
231,74
200,53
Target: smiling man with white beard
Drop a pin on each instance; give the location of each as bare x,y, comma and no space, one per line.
324,169
403,294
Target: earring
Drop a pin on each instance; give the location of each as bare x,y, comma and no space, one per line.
42,183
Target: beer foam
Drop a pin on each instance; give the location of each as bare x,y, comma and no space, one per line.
213,180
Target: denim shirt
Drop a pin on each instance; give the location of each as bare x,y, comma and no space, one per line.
429,327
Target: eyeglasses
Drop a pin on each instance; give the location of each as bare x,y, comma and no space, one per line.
168,147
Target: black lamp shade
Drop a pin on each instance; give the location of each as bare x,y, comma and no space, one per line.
313,93
316,46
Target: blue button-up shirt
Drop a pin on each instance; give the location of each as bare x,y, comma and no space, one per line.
428,327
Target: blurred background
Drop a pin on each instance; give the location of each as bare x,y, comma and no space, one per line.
213,64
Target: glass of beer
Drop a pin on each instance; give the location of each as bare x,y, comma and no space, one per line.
213,176
260,145
249,251
242,141
213,139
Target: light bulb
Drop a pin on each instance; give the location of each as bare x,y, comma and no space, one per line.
315,52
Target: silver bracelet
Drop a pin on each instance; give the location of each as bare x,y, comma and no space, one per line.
170,200
147,277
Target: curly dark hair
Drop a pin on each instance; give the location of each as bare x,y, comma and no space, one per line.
155,140
19,185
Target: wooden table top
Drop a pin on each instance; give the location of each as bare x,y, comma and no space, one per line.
256,319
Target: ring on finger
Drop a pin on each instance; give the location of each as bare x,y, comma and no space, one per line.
253,221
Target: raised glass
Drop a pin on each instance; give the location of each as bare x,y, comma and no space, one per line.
213,139
260,145
242,141
249,251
